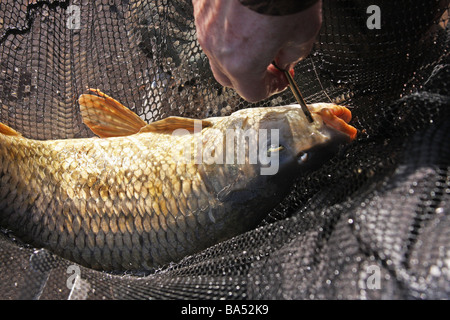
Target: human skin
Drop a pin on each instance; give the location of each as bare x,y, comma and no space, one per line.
241,44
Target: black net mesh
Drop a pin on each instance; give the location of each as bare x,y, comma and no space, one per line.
372,223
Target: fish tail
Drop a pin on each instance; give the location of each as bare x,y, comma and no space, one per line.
7,164
8,131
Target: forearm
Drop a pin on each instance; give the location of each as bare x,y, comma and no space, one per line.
241,43
277,7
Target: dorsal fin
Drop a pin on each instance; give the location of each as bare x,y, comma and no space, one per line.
8,131
107,117
170,124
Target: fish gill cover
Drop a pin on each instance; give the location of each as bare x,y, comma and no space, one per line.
371,223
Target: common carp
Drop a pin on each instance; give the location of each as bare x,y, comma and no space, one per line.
142,195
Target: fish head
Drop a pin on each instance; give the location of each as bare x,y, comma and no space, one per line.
288,147
300,145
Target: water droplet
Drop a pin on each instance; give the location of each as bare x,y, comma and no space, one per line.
435,271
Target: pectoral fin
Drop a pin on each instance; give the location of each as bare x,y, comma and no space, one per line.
107,117
170,124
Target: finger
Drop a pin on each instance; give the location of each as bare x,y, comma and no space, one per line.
219,75
302,40
258,86
288,57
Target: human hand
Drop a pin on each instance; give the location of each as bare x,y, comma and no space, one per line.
241,44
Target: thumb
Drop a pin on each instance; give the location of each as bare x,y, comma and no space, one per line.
256,87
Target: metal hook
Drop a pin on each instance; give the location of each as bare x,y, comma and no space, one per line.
296,92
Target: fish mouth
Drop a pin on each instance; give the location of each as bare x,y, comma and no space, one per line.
338,118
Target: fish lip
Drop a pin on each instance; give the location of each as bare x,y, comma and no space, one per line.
337,136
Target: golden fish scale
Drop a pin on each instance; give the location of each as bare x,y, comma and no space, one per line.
89,203
127,204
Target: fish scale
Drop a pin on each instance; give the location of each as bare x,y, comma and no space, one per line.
127,203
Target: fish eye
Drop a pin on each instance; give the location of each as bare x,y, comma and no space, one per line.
302,158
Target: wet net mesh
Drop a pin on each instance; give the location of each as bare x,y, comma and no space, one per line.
372,223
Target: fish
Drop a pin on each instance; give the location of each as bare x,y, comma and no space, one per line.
140,196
